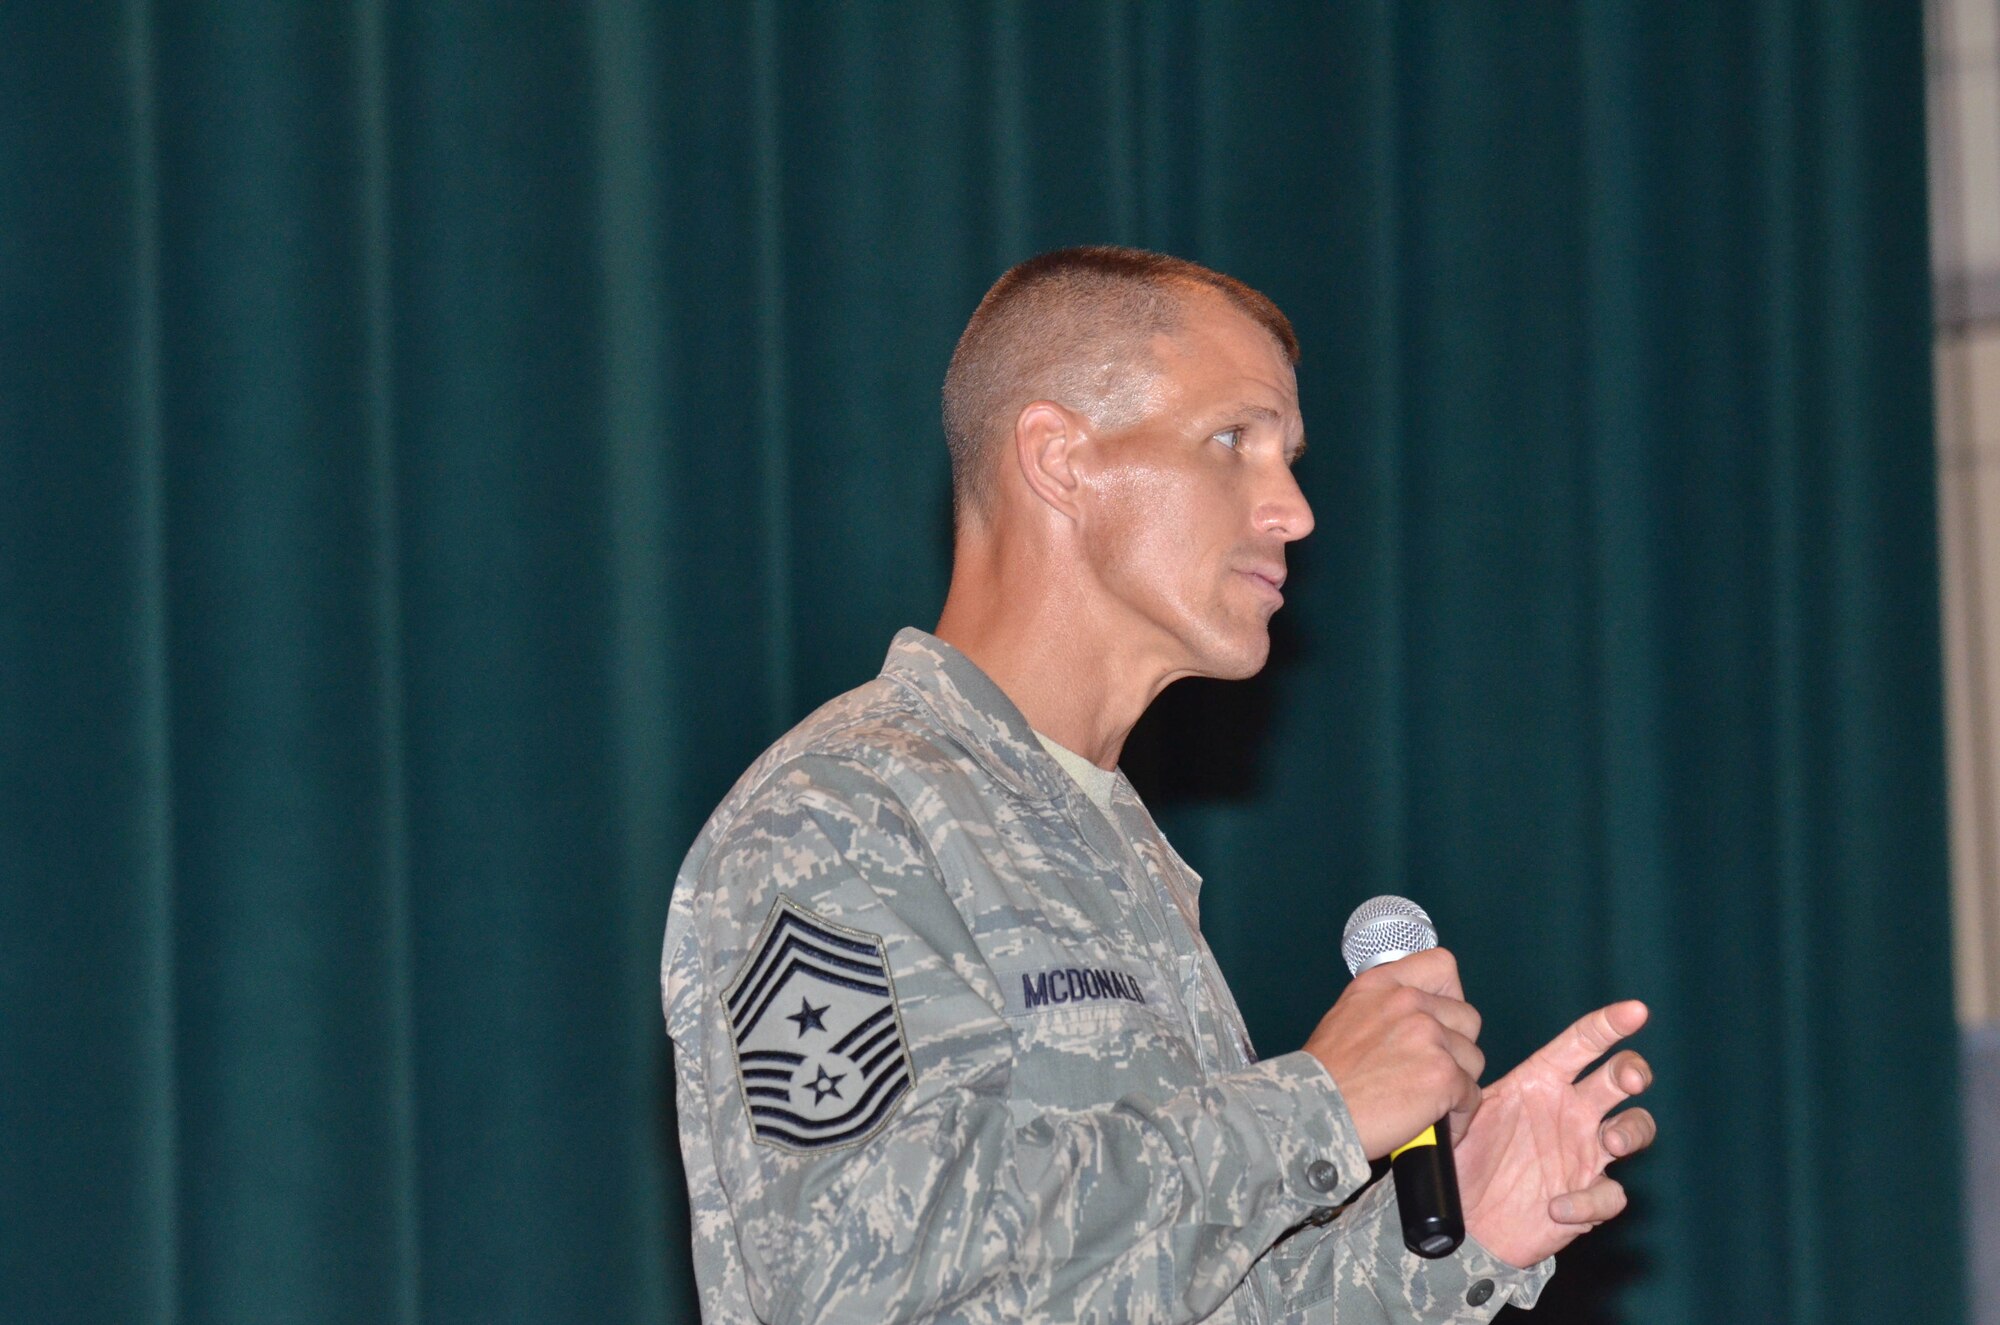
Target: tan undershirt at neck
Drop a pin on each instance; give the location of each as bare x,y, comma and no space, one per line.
1096,782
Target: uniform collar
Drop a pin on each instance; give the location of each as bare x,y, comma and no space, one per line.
967,703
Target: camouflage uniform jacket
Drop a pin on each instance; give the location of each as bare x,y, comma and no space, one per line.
949,1046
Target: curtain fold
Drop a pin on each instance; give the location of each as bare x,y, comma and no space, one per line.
440,445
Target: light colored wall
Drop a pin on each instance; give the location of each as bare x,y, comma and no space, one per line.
1964,39
1965,239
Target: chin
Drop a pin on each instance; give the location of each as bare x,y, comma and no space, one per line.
1237,660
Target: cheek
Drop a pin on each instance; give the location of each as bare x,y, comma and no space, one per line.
1146,530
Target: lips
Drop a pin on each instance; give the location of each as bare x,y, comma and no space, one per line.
1271,577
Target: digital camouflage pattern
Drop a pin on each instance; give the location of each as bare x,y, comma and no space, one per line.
1067,1124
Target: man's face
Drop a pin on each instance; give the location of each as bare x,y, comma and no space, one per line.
1190,508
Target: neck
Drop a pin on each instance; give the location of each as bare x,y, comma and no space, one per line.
1027,620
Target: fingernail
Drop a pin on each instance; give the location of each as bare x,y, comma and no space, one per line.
1564,1209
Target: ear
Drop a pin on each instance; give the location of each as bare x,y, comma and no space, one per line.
1045,440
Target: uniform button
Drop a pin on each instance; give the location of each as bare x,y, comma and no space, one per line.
1322,1176
1479,1292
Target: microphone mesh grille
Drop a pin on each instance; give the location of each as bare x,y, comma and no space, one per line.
1385,926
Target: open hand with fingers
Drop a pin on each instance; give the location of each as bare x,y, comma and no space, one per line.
1531,1164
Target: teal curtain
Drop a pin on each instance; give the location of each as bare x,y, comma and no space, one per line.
441,443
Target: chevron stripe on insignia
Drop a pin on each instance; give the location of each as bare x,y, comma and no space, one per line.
820,1051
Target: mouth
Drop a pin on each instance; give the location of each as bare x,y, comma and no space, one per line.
1270,578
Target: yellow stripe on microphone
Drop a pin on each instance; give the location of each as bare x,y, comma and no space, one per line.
1427,1137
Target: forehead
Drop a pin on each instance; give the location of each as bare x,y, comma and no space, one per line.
1219,348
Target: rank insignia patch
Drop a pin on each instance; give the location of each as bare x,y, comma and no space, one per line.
820,1052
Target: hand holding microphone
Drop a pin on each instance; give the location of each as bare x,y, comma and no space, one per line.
1401,1044
1392,929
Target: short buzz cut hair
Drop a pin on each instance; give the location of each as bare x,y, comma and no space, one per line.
1074,326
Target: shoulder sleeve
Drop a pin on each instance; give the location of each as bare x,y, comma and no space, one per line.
945,1204
1354,1267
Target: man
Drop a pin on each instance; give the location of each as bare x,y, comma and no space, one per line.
948,1042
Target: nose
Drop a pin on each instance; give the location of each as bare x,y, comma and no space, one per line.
1282,509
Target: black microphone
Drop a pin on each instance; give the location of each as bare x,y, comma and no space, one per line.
1383,929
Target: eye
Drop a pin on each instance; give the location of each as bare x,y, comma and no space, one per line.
1230,437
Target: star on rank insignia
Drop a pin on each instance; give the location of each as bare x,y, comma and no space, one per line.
829,1073
808,1017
